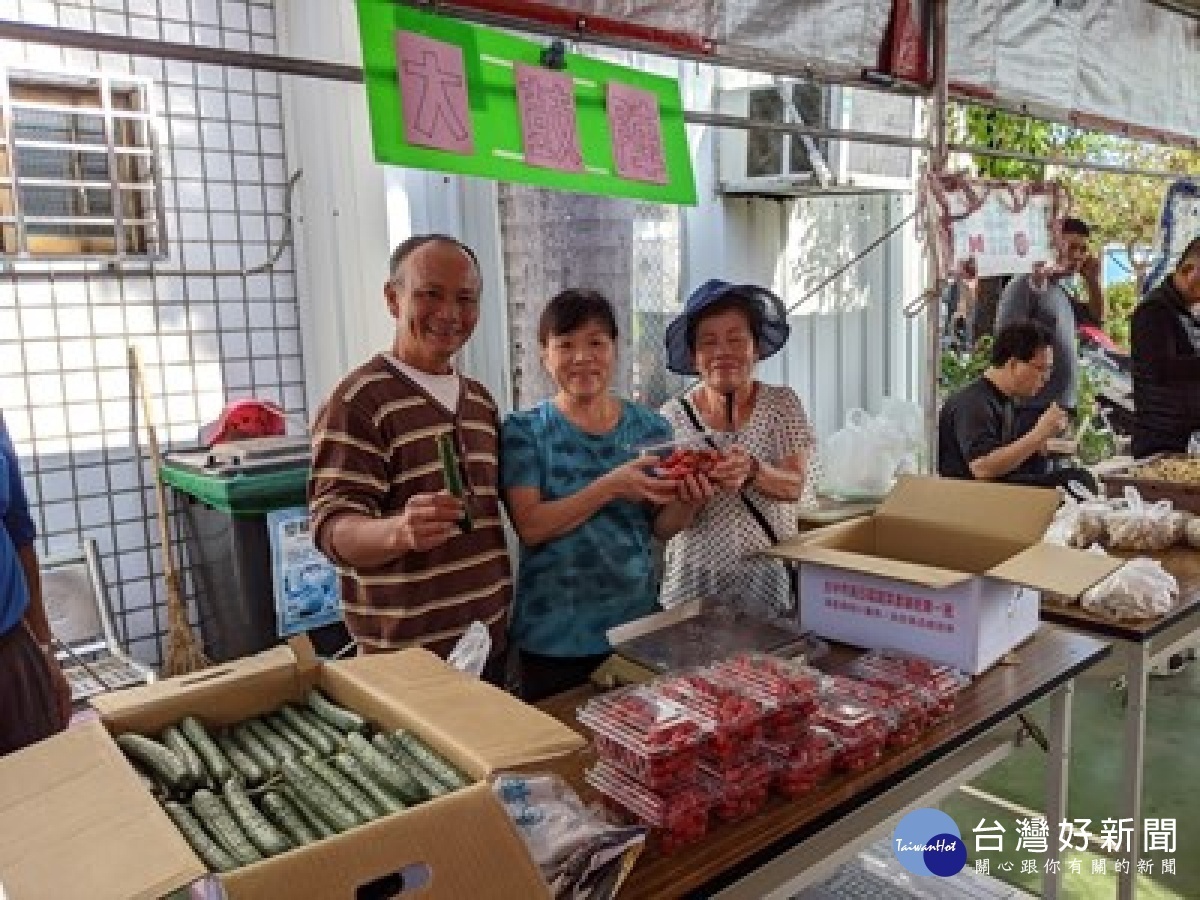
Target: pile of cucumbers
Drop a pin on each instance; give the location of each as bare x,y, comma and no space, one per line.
267,785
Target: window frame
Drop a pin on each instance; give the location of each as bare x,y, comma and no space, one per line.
124,103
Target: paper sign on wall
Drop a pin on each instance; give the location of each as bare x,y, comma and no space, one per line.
637,133
549,126
433,88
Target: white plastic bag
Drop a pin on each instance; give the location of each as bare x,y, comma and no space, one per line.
471,652
1142,527
862,458
1079,523
1140,589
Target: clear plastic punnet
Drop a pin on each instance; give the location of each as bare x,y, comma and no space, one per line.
673,818
731,717
938,684
799,766
861,730
905,708
653,738
793,688
686,456
740,792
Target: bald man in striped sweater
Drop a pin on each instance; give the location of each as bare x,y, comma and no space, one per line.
412,574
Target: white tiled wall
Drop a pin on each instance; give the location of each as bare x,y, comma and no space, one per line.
64,386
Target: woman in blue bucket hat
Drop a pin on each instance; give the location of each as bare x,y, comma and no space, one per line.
724,330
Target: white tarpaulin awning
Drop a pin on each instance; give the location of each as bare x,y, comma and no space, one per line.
1106,65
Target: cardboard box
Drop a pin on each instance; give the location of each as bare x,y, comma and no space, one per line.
946,568
75,822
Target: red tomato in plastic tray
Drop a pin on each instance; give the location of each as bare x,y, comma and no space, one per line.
800,766
739,793
904,708
649,736
684,461
790,687
861,730
731,718
674,819
936,685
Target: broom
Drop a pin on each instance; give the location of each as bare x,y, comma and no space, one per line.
183,653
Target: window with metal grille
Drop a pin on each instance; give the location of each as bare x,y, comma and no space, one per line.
79,175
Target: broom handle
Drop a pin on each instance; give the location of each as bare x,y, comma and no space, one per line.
168,558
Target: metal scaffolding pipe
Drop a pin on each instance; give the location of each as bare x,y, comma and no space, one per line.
77,39
722,120
937,165
1093,166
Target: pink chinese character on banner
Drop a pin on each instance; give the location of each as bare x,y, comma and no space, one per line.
549,132
1021,243
433,94
975,243
636,132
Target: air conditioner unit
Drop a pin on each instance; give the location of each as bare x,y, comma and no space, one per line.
771,163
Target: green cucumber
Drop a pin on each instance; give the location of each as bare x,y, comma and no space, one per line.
243,764
313,735
280,810
174,740
253,747
319,796
214,760
429,783
280,749
430,760
384,769
339,717
337,738
349,766
345,789
221,826
281,727
158,759
206,848
452,473
311,816
268,839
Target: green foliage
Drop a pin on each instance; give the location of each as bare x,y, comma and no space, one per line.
1119,300
998,130
959,368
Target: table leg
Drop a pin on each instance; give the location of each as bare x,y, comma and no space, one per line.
1137,677
1058,758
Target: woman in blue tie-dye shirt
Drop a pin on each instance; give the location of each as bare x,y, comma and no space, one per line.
585,506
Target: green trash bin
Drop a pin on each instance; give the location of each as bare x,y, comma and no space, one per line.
224,511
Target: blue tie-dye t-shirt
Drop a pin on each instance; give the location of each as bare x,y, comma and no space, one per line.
572,589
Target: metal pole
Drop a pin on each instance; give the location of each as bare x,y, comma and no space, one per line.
1087,165
722,120
237,59
937,165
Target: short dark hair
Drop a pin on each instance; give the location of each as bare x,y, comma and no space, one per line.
572,309
748,305
1020,340
1191,252
1072,225
411,245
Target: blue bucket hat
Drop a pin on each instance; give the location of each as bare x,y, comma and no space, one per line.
766,308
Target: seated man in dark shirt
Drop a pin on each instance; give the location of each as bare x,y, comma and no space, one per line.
977,435
1164,340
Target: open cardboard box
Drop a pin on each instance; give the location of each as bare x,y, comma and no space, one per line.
76,822
946,568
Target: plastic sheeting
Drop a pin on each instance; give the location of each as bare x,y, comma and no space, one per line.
1109,63
824,33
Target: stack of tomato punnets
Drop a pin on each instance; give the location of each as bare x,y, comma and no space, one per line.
731,718
738,792
674,819
649,750
791,687
935,685
799,766
905,709
861,730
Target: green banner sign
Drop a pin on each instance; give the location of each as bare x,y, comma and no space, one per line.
454,97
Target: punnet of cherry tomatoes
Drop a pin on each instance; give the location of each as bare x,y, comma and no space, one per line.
680,458
672,818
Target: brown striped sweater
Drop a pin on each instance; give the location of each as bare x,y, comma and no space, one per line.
374,446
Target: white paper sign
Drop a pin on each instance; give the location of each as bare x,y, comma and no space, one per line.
1002,240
